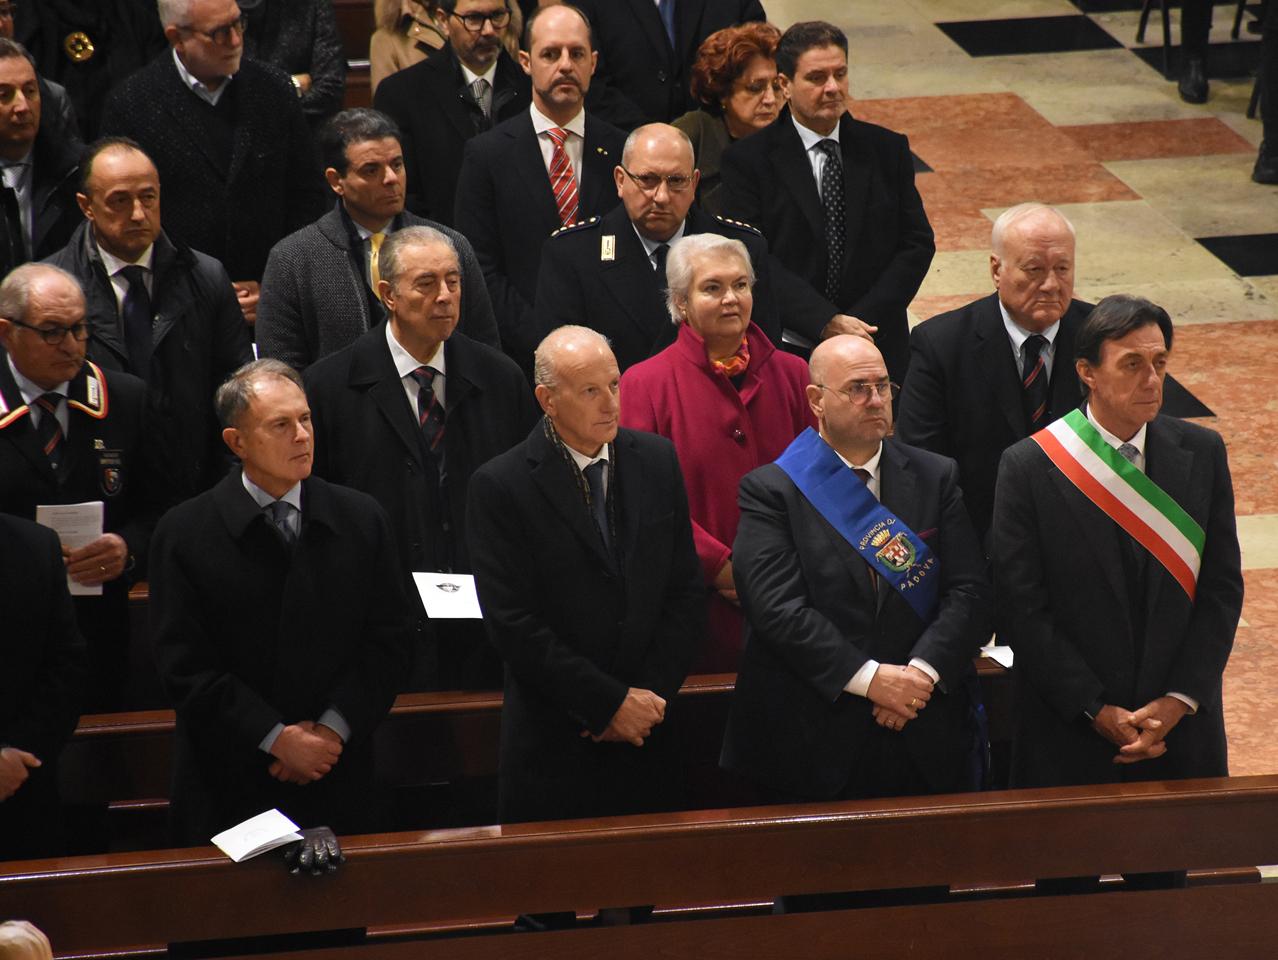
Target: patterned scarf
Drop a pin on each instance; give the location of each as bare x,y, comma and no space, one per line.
736,364
583,486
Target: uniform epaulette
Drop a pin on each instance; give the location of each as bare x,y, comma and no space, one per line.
741,224
579,225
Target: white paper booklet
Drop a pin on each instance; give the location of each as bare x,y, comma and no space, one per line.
257,835
76,524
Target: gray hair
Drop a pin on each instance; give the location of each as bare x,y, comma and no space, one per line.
174,13
680,263
15,291
1017,213
388,264
234,395
11,49
545,373
647,130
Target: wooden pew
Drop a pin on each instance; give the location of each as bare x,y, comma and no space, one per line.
412,890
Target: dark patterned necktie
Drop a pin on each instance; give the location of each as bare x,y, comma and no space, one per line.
48,430
430,412
1034,381
835,215
599,500
280,512
864,477
482,91
136,314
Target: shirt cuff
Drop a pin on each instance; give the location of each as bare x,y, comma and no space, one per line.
336,722
268,741
859,685
1186,700
919,663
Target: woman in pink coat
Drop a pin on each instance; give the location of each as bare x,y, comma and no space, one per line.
730,401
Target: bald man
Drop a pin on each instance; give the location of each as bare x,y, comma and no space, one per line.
609,274
985,375
866,597
583,556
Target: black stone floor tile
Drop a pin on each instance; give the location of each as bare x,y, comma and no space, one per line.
920,165
994,38
1248,255
1113,6
1179,402
1237,59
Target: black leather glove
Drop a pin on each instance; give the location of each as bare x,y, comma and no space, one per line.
317,852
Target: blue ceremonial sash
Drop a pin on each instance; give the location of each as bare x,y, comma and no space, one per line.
892,549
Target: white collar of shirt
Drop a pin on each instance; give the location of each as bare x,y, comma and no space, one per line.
1018,335
406,363
30,391
364,233
542,123
263,499
582,461
1138,441
816,158
197,86
870,466
470,76
650,246
574,146
21,169
114,264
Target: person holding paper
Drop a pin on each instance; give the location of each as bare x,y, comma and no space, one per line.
39,687
72,433
280,626
1123,628
407,413
590,585
866,597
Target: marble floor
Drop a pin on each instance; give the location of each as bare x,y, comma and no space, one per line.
1051,100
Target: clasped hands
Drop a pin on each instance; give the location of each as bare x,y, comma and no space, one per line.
304,752
633,722
1139,734
898,694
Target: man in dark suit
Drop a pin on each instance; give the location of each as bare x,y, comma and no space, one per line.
39,687
228,137
407,413
279,623
1000,368
609,273
1122,629
72,433
854,681
534,173
158,310
583,557
435,103
39,164
835,196
647,49
319,292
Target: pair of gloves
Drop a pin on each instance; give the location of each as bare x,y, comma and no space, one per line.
318,852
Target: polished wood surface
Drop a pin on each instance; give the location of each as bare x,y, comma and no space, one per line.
441,878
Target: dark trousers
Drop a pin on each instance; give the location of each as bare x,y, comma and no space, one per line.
1195,25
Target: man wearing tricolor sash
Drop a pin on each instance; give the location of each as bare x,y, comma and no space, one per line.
1118,572
866,597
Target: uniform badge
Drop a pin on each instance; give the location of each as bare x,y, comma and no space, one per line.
111,472
78,46
897,553
608,247
94,392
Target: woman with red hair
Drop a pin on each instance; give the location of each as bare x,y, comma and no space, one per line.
735,80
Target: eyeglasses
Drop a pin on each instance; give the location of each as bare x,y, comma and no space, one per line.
474,22
859,393
651,182
53,335
222,34
756,89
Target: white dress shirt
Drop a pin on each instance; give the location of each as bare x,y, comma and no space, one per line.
1018,335
582,461
650,246
406,363
574,145
19,175
119,284
816,157
197,86
30,391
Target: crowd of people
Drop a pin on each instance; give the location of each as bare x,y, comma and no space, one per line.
614,320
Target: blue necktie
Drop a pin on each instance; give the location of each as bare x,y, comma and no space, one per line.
136,314
599,500
667,10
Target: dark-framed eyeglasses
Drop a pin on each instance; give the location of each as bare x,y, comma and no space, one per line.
651,182
53,334
474,22
222,35
859,393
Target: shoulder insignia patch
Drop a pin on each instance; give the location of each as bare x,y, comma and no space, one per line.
740,225
579,225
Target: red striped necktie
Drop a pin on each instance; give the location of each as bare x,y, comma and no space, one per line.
562,179
1034,380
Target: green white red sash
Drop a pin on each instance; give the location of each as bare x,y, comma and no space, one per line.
1126,496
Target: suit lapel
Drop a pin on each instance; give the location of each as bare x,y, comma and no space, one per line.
447,78
371,368
791,163
898,492
185,116
596,172
20,429
649,19
1169,465
1098,530
994,359
1064,395
631,484
689,14
526,157
630,276
554,479
857,174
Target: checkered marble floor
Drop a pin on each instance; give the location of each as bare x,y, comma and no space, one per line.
1012,100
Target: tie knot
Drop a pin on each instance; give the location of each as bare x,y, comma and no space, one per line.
133,274
478,88
830,148
1034,345
49,401
659,254
281,510
1129,452
375,240
862,474
559,135
425,377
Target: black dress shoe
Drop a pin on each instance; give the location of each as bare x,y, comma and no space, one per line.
1193,80
1266,169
